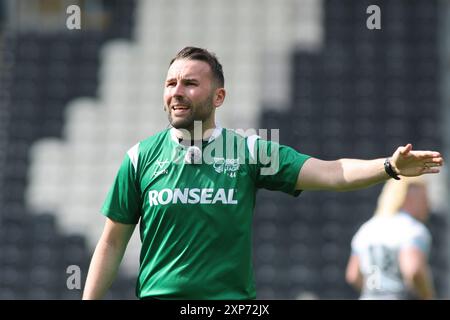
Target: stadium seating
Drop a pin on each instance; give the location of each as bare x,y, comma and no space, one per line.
364,94
36,249
310,68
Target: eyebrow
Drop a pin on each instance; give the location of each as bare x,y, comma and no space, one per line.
184,80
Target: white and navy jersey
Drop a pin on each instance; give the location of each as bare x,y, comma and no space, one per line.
378,243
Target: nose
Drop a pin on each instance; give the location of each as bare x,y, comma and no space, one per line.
178,90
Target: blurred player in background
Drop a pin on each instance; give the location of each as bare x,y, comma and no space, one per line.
196,217
390,251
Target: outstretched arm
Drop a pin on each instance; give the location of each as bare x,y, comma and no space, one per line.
106,259
351,174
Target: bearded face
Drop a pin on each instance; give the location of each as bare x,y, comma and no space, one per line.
182,112
189,94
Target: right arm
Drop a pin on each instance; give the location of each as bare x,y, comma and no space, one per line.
415,271
353,174
106,259
353,274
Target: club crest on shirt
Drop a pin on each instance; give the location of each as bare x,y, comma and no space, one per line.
226,166
161,167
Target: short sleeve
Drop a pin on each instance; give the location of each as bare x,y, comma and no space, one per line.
278,166
122,203
356,243
420,239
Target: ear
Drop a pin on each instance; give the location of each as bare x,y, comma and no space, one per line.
219,97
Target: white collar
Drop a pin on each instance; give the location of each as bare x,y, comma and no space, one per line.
217,131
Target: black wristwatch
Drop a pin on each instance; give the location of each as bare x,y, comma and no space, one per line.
389,170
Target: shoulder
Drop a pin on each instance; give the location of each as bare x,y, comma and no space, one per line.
370,231
414,225
145,146
412,228
149,143
363,231
239,135
240,138
153,140
373,223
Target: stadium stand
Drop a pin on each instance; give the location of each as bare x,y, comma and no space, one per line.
308,67
365,93
42,69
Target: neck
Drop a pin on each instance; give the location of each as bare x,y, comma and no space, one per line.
198,132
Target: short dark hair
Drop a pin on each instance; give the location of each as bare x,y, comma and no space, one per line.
194,53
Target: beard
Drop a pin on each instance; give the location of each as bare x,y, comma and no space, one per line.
201,111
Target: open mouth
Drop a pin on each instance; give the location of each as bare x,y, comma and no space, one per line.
179,110
179,107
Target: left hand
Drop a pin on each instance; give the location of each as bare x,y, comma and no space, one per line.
409,163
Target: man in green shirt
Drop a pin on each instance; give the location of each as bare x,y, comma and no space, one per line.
192,189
